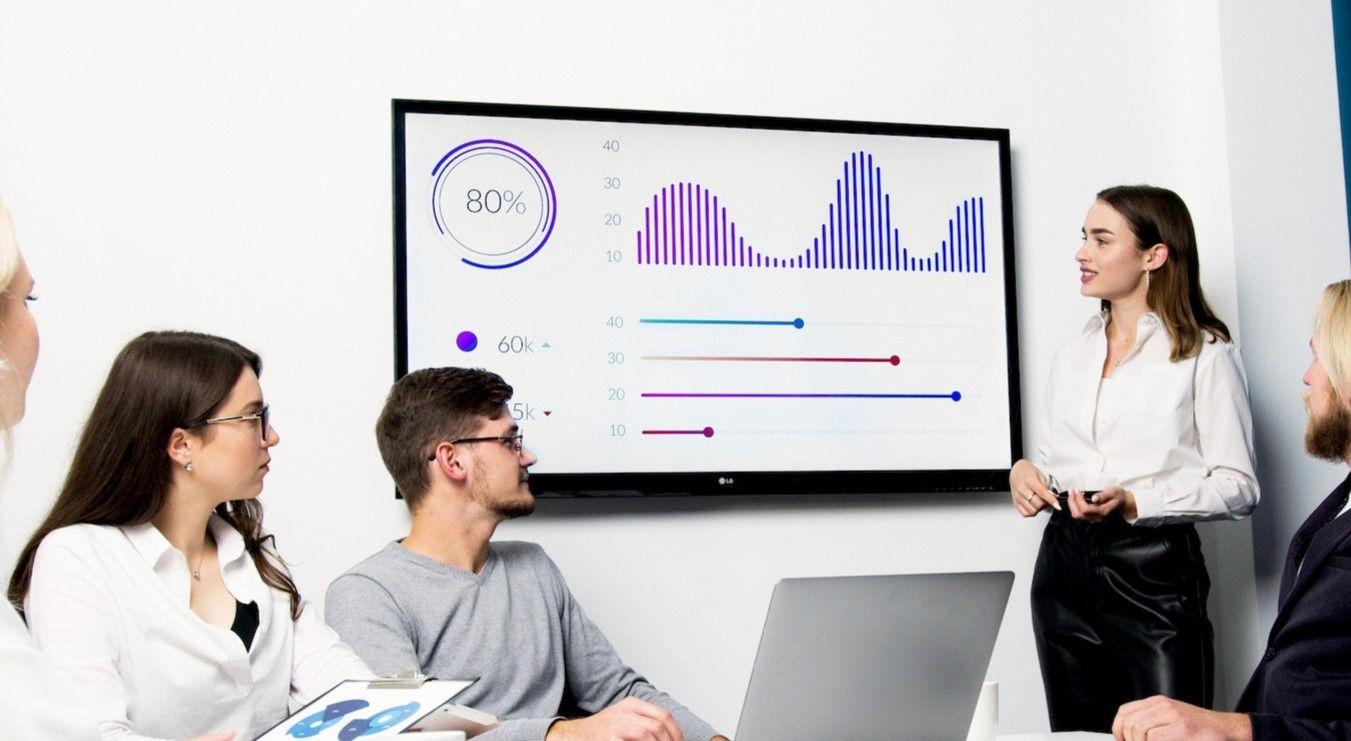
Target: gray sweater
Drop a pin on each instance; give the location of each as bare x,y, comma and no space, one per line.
514,625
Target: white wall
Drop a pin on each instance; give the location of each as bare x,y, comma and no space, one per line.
1289,211
227,168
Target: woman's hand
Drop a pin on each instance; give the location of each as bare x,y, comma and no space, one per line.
1027,486
1109,500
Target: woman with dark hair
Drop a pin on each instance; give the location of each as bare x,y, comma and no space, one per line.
1146,430
151,581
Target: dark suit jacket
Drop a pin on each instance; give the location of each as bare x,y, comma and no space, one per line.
1302,687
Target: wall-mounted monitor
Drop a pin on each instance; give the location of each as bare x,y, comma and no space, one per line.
692,304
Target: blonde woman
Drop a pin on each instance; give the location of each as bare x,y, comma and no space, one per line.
36,701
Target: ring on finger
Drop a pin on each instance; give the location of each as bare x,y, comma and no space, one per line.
1031,496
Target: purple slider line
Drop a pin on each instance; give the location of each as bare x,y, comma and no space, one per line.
715,395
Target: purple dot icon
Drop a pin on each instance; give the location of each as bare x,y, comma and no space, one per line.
466,341
708,432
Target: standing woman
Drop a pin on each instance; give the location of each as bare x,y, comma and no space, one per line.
1146,430
36,701
151,581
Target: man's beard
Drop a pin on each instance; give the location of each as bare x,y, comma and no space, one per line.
510,509
1328,435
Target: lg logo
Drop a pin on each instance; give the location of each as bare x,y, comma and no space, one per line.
726,481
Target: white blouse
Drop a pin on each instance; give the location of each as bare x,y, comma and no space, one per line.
1176,435
110,605
36,700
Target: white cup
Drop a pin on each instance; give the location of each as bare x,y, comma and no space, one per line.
985,721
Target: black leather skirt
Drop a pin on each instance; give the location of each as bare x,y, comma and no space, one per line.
1119,614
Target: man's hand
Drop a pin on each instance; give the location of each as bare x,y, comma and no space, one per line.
1105,502
1160,719
629,719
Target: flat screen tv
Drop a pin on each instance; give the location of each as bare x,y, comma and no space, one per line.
691,303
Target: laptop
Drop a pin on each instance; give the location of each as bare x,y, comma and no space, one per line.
874,657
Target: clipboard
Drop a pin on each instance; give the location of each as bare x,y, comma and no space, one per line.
382,708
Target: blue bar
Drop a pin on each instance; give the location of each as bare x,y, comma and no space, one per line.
846,239
831,250
891,245
870,230
982,235
856,214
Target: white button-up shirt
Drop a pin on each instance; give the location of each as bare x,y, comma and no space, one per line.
110,605
1176,435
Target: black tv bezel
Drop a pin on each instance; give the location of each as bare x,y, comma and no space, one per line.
637,484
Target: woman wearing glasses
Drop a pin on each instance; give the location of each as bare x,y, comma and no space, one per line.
1146,430
36,700
151,580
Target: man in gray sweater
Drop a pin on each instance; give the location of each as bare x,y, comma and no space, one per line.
447,600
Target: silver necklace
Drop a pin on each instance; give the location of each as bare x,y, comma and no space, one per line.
197,572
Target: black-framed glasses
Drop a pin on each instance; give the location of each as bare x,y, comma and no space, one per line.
513,443
262,416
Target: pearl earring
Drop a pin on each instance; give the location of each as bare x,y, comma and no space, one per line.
189,466
1147,274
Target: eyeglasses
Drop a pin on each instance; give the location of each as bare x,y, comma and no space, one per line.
513,443
261,415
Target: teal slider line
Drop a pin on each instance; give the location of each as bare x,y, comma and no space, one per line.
744,322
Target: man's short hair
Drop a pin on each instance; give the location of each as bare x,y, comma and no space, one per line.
427,407
1332,334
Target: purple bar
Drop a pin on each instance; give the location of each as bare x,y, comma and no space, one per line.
969,207
713,230
662,225
723,215
816,261
703,232
689,221
960,244
741,242
735,260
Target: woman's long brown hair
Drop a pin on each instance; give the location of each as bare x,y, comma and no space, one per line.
121,472
1159,216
